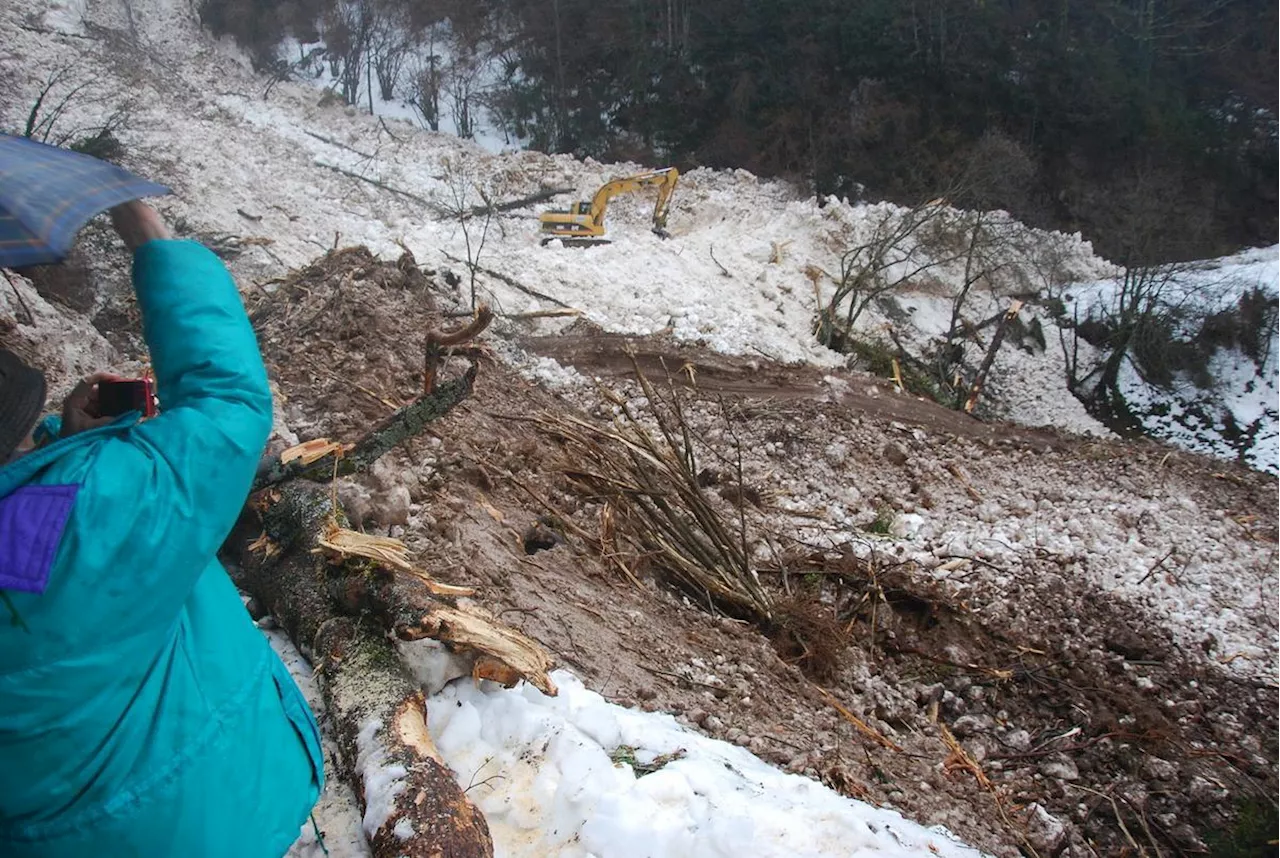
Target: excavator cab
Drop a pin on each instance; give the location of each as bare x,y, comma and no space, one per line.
582,224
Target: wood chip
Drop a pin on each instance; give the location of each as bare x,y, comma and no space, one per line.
494,512
314,450
862,726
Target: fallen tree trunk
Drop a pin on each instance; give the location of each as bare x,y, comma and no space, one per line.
520,202
395,430
978,380
510,281
412,804
343,598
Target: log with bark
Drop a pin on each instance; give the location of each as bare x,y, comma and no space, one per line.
351,602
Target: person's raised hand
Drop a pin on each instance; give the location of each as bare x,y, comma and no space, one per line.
137,223
80,409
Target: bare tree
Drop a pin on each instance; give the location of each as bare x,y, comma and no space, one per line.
68,93
427,80
890,258
462,85
390,41
347,29
1142,312
471,202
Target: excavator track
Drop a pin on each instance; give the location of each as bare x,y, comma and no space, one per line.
575,242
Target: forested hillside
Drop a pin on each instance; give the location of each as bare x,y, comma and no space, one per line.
1149,125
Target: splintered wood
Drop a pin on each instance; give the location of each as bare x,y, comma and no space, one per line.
310,452
339,544
960,759
342,544
505,655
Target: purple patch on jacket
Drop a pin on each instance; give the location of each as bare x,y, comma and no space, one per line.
31,523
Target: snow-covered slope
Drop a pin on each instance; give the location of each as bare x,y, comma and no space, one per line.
744,272
226,149
1236,417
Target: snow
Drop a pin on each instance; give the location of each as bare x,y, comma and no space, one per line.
66,16
747,264
1244,392
543,771
236,151
382,781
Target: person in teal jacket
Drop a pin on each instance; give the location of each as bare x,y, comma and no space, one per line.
142,715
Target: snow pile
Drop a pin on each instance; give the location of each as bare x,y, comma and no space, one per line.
745,270
553,776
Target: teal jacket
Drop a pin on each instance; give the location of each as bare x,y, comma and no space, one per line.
142,715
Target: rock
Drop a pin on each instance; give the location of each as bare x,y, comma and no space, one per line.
1062,769
393,507
1203,792
970,725
953,704
713,724
926,694
1019,740
1159,770
697,716
894,454
1046,832
355,501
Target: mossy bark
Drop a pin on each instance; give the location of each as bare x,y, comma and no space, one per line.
375,706
380,714
395,430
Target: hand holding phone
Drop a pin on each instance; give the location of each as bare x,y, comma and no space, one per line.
102,397
120,396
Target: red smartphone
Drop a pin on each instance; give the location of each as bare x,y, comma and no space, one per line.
120,397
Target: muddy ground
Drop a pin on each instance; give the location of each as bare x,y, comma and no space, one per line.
1086,729
1086,725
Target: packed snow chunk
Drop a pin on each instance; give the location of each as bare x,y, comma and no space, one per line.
382,782
576,776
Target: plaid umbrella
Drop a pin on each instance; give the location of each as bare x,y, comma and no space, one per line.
47,194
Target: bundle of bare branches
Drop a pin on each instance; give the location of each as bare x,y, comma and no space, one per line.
656,508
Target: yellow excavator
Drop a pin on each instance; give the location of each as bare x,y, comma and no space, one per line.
582,224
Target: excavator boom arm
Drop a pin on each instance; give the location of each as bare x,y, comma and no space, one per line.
665,179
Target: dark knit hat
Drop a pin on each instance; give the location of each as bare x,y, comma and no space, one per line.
22,394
